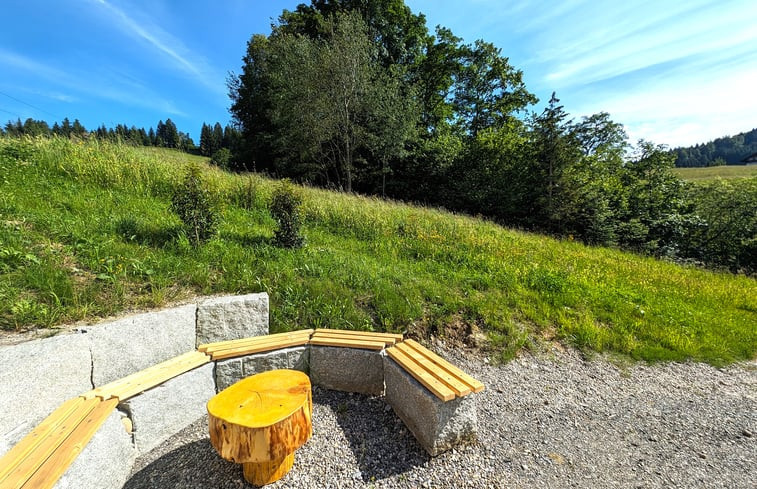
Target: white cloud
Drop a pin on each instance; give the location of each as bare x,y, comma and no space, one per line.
164,43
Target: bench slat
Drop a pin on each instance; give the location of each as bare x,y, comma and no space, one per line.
23,448
150,377
259,347
57,464
104,391
459,387
18,476
474,384
348,343
395,336
387,340
222,345
421,375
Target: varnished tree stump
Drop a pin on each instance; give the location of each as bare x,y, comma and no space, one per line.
260,421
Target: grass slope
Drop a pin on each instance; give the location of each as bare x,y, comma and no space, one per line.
714,172
86,231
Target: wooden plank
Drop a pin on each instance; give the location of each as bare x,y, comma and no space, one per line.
105,390
232,343
459,387
30,442
389,341
150,377
474,384
18,476
254,342
339,342
57,464
258,348
421,375
395,336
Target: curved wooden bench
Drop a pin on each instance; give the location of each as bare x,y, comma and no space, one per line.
44,455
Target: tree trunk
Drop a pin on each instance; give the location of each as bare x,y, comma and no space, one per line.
260,421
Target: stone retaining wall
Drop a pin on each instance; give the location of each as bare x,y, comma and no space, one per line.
40,375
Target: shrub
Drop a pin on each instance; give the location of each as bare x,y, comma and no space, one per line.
221,158
285,208
195,207
246,193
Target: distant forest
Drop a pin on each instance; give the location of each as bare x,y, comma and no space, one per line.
213,138
728,150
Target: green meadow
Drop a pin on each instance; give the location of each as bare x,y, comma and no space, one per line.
86,231
713,172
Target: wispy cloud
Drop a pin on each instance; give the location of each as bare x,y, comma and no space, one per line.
104,85
164,43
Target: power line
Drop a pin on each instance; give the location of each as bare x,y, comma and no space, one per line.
9,112
30,105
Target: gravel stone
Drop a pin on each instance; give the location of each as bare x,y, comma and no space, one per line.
552,420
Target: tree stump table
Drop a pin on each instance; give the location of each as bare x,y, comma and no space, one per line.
260,421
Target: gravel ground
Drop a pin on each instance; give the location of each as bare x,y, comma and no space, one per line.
553,420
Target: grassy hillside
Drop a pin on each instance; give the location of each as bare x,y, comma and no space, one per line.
713,172
86,231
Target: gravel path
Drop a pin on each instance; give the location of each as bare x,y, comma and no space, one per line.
550,421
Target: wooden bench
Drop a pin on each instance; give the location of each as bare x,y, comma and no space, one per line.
235,348
41,458
435,373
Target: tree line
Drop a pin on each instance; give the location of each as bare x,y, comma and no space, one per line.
360,96
728,150
165,135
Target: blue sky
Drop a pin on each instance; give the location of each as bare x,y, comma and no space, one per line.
673,72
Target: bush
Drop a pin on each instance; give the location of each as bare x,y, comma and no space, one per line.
195,207
221,158
285,208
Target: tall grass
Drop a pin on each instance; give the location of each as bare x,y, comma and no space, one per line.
86,231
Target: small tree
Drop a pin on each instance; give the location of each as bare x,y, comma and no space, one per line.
194,205
285,208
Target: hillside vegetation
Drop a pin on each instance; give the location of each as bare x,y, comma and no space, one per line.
713,172
86,231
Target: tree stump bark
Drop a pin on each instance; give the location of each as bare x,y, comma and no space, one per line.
260,421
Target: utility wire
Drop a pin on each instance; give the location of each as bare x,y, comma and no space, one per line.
30,105
9,112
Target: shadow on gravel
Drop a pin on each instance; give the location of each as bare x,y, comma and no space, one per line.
179,469
381,444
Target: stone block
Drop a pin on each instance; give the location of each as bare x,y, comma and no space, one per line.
437,425
163,411
299,359
347,369
131,344
263,362
231,318
37,377
105,462
227,372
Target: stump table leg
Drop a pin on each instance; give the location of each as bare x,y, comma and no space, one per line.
262,473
